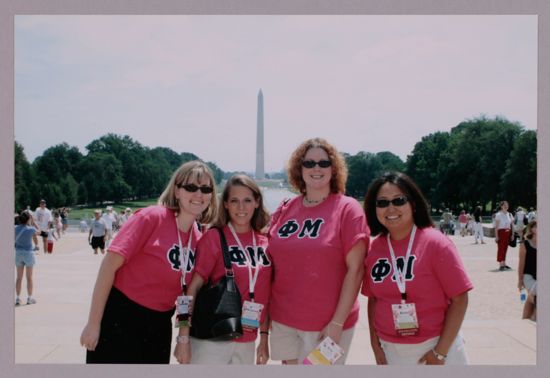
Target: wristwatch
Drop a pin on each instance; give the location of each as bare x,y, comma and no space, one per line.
182,339
440,357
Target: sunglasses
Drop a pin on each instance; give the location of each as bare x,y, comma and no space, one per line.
192,188
399,201
320,163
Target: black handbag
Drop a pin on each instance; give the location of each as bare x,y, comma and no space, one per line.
217,308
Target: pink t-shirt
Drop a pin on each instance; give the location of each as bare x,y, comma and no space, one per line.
151,274
210,266
434,274
309,246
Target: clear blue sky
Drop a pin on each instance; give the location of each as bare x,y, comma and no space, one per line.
190,83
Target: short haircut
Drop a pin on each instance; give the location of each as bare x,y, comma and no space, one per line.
260,218
192,171
421,214
338,167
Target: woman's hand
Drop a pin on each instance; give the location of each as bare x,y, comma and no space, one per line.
379,355
429,358
334,331
90,336
262,352
182,352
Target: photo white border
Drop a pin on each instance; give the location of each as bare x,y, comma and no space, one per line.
8,9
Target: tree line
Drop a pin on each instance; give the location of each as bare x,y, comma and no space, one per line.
480,161
116,168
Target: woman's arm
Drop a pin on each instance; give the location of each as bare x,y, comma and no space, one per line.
182,351
379,354
262,352
348,293
453,320
105,278
521,264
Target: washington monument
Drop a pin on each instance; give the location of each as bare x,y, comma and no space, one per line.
260,173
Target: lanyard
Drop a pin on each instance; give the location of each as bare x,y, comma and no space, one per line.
252,278
184,255
400,275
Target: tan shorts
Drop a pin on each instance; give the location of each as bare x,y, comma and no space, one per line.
409,354
222,352
287,343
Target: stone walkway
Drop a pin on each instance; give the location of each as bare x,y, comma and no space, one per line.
48,332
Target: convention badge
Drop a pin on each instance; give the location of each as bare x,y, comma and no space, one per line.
183,302
326,353
404,318
251,314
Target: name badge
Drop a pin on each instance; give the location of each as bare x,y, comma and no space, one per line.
251,314
404,318
326,353
183,303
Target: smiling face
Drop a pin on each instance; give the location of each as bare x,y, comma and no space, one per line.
398,220
316,178
240,206
193,203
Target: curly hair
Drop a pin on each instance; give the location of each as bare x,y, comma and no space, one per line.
188,172
339,168
260,218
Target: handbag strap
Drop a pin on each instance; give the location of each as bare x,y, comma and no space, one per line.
225,252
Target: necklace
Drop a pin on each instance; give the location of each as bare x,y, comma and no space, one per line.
313,202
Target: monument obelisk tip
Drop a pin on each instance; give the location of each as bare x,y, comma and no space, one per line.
260,174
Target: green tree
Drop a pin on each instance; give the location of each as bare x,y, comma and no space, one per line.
363,168
24,180
519,181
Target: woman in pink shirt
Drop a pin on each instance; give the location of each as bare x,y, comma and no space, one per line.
241,217
317,243
145,269
414,278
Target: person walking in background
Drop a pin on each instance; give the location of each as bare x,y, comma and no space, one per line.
531,215
98,233
24,256
527,266
51,239
463,221
478,226
110,219
64,214
415,281
124,217
520,221
145,270
503,234
57,223
241,217
43,219
317,243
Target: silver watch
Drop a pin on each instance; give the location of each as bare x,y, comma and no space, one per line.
440,357
184,339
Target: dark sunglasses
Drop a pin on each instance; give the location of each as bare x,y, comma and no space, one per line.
399,201
320,163
192,188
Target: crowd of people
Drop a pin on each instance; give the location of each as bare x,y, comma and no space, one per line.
299,271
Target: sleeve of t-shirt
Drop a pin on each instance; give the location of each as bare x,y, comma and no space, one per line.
354,226
450,270
208,253
131,239
277,214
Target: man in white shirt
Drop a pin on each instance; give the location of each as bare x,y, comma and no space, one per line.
109,219
43,219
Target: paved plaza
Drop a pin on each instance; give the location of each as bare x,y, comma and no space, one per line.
48,332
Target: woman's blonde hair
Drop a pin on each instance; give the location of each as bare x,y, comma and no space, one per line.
192,171
338,167
260,218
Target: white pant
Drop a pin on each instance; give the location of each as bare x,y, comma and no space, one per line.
478,231
222,352
409,354
287,343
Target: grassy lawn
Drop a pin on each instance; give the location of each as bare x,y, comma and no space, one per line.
88,212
